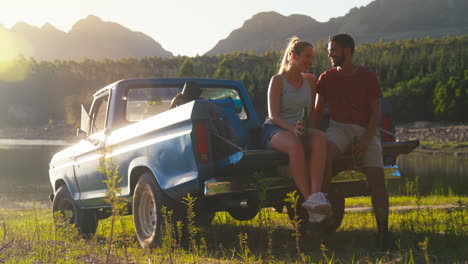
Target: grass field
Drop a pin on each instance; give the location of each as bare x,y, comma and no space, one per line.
28,235
444,147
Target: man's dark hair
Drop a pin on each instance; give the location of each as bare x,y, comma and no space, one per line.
344,40
191,91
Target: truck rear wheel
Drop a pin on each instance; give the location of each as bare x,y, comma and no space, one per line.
147,213
329,225
204,217
67,212
243,214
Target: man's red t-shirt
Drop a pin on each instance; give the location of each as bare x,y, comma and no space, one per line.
349,97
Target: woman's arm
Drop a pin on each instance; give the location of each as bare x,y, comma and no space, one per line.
274,104
313,93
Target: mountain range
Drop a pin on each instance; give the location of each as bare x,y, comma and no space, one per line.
388,19
88,38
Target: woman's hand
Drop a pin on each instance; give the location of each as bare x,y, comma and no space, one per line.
299,130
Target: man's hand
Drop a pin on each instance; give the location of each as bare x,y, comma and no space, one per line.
361,146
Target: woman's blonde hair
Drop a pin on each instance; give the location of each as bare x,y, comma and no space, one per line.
296,46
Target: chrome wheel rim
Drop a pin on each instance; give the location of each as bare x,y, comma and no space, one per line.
147,213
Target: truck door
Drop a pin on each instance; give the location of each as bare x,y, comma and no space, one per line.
89,152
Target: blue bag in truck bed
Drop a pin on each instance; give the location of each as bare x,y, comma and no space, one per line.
230,111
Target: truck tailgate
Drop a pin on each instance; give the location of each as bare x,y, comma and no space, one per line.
397,148
257,159
234,174
267,158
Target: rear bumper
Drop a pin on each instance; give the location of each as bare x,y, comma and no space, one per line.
350,184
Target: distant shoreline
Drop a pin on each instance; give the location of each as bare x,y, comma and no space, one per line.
442,152
435,139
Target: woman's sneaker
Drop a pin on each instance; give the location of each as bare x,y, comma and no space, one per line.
318,207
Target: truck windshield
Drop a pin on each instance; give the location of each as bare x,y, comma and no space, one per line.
143,103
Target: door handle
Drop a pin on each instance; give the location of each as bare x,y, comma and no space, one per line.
96,142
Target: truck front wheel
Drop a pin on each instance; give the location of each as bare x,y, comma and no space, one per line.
147,213
67,212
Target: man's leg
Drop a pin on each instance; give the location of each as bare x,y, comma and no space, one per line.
379,196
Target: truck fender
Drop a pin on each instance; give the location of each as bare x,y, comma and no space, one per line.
65,181
136,168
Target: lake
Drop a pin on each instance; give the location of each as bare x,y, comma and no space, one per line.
24,166
24,171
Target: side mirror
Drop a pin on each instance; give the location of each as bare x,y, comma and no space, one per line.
80,133
84,127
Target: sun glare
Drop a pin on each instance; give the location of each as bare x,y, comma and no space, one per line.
11,69
7,47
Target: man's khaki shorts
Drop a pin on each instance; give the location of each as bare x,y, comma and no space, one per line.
342,135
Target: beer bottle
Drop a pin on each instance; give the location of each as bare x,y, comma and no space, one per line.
357,162
305,122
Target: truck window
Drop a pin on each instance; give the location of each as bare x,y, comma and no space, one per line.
99,115
145,102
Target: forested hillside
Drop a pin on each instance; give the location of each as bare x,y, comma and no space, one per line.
426,79
389,19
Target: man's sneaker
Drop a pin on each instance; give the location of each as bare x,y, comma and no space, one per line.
317,204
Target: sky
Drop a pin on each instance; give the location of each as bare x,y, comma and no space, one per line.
183,27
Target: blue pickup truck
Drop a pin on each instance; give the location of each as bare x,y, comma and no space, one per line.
165,153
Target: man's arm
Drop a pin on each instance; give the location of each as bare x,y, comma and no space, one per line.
375,113
317,114
320,101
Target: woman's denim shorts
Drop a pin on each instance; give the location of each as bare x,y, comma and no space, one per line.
268,130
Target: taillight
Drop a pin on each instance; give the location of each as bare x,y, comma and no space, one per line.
386,125
202,142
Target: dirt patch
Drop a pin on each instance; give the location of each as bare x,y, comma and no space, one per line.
25,205
403,208
58,131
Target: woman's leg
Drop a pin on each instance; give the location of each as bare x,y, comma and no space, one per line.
286,142
317,148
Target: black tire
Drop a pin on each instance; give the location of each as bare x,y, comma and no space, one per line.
67,212
243,214
147,211
338,206
329,225
204,217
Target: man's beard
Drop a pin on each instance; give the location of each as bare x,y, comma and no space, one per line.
339,61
